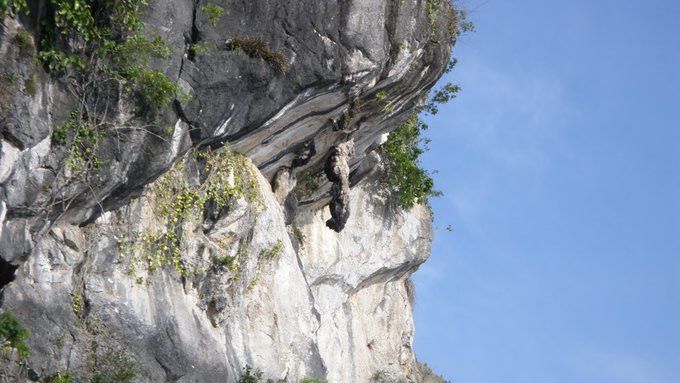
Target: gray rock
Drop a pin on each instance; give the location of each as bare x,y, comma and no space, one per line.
337,171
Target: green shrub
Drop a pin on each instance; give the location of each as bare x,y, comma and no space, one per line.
433,8
178,202
250,376
126,14
458,24
224,261
308,184
15,6
273,251
196,49
257,48
136,50
82,140
441,96
214,12
410,183
11,77
109,45
457,20
154,87
60,62
115,366
11,331
73,17
61,377
24,41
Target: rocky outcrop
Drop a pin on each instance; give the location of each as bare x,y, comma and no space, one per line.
295,301
174,259
337,171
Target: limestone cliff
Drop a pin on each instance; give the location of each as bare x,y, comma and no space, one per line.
245,225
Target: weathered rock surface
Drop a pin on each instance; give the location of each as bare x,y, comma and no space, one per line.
260,282
301,301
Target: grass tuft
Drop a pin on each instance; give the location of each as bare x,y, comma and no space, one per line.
257,48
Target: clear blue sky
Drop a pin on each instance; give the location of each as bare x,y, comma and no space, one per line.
560,167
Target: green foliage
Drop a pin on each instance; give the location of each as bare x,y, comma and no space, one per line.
407,179
457,20
441,96
81,139
196,49
228,178
61,377
11,331
61,62
154,87
433,8
77,303
110,45
74,17
24,41
15,6
115,366
11,77
131,58
250,376
385,103
257,48
224,261
273,251
214,12
410,183
135,51
458,24
308,184
126,14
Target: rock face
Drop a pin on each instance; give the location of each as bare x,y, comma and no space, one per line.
182,262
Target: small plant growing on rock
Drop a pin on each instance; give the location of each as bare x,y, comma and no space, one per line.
250,375
24,41
11,77
273,251
61,377
457,20
224,261
77,303
308,184
12,334
214,12
409,181
114,366
228,177
257,48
